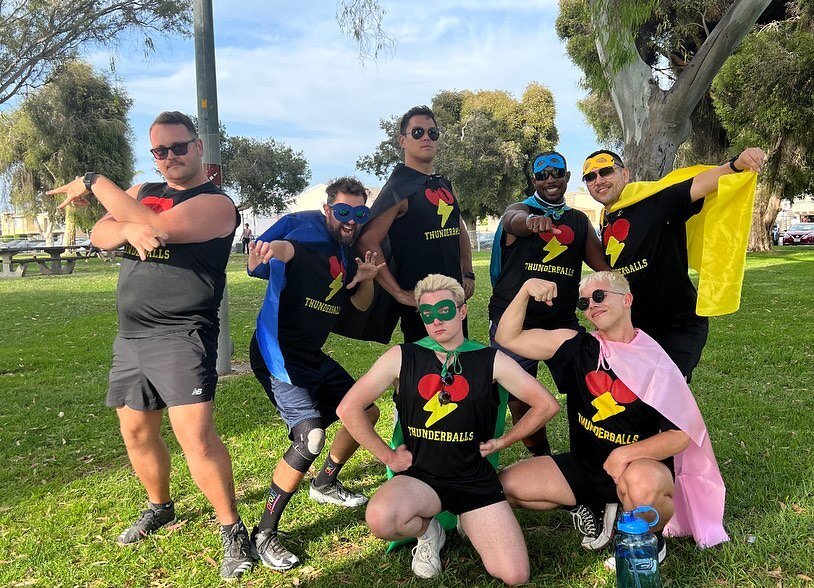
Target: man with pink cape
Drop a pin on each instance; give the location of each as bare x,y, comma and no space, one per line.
636,434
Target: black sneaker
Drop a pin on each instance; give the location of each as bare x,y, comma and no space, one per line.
597,527
149,522
238,555
271,551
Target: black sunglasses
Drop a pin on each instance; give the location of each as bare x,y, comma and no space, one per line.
162,152
553,172
433,133
597,296
445,397
605,172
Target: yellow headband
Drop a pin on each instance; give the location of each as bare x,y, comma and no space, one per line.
597,162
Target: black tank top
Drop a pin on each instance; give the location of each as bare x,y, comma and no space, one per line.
557,259
179,287
445,438
426,239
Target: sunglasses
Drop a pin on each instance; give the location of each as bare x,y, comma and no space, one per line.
445,397
553,172
433,133
597,296
162,152
605,172
344,213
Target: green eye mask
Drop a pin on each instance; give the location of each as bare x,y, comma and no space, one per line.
443,311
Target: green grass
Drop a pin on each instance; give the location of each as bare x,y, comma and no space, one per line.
66,488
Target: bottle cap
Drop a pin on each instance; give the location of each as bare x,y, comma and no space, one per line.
633,525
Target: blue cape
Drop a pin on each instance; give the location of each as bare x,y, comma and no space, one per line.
304,227
496,260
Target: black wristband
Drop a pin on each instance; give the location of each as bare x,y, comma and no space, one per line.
732,165
470,275
87,179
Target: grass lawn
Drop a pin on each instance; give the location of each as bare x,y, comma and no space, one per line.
66,488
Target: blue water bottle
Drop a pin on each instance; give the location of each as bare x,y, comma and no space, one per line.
636,551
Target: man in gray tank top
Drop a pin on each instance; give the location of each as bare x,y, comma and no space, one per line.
176,236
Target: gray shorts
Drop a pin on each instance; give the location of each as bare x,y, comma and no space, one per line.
166,370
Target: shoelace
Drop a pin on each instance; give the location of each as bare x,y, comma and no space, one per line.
423,551
237,544
586,524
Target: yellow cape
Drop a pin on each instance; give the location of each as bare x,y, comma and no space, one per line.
716,237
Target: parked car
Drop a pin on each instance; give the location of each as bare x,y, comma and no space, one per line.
799,234
485,240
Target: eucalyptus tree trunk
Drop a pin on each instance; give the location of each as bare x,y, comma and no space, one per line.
767,205
655,121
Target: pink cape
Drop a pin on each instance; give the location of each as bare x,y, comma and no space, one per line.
700,493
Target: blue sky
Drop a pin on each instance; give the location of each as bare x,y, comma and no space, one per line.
286,72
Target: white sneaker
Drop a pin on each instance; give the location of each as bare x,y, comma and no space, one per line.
597,527
336,493
427,554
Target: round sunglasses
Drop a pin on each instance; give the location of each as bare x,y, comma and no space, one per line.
597,296
433,133
344,213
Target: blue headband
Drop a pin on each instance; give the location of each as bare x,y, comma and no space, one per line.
550,160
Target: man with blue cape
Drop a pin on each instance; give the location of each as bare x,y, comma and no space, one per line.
304,256
448,405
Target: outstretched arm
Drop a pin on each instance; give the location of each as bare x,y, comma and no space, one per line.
365,391
366,272
707,182
531,343
519,383
260,253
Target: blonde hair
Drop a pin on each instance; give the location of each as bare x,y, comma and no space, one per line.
436,283
614,279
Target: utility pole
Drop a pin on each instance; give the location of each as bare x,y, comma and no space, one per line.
209,131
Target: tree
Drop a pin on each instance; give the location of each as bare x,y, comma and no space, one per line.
629,49
37,36
264,173
784,120
75,123
487,139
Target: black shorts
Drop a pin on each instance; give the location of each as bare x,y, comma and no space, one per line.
459,498
592,486
314,392
152,373
684,344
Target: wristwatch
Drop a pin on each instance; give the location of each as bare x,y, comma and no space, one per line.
470,275
87,179
732,165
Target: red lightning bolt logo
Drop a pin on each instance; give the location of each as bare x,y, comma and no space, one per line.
337,273
430,388
614,237
557,244
443,199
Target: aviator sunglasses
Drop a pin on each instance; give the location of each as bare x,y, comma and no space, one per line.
344,213
605,172
433,133
162,152
597,296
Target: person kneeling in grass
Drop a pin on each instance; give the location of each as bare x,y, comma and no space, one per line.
447,401
636,434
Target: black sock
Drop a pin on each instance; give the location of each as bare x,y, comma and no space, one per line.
328,473
275,505
228,528
165,506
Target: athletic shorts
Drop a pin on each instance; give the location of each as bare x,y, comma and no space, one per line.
529,365
459,498
153,373
314,392
684,344
591,485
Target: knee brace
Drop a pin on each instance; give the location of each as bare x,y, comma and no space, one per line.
307,440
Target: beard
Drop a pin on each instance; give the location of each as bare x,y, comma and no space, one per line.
338,235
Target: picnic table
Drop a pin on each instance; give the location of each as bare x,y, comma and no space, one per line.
49,259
